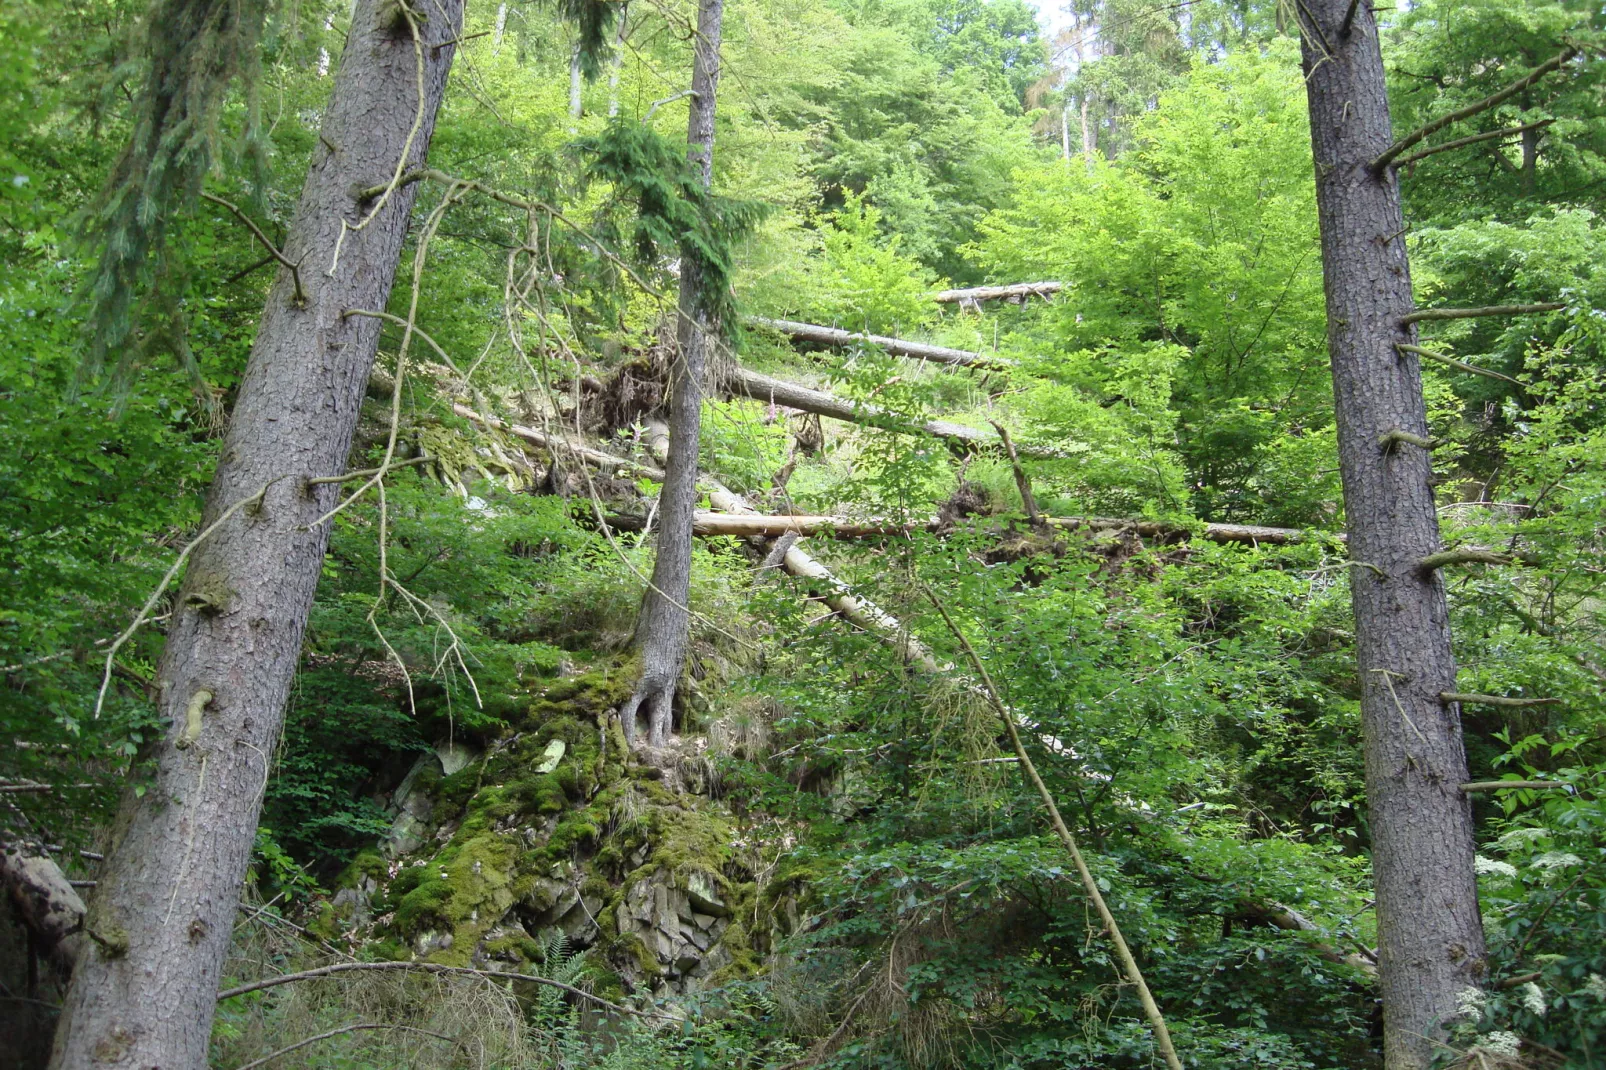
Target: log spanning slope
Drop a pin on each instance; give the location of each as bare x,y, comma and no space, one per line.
1015,293
747,523
750,384
815,334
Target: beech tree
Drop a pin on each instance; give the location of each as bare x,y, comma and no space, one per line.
661,626
144,988
1430,935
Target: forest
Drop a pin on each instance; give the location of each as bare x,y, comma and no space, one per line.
802,534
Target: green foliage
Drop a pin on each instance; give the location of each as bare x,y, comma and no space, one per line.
866,284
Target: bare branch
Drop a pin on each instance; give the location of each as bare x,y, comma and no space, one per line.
1015,292
435,967
273,251
1129,964
1418,135
1445,558
1469,699
1389,438
1023,482
367,472
1463,142
832,336
1489,310
1470,369
1516,785
287,1049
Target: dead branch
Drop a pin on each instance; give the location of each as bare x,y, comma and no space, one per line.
1467,699
1422,314
1463,142
1290,920
1023,482
368,472
1389,438
273,250
1445,558
832,336
1391,153
1514,785
358,1027
438,968
1471,369
1129,964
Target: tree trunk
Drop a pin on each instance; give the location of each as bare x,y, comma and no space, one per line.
1014,293
617,62
662,623
144,989
1429,932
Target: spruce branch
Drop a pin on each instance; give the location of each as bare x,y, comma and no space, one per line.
1448,361
1421,133
1129,964
1421,314
1463,142
273,251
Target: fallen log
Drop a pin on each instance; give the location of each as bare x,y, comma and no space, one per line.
747,524
558,444
1015,294
833,336
750,384
45,900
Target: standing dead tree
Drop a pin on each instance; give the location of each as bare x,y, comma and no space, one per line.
1431,942
661,626
145,986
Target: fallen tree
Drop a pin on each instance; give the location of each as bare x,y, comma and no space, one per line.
750,384
746,523
833,336
1016,293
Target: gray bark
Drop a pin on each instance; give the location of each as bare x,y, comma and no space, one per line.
661,626
1431,940
834,336
144,990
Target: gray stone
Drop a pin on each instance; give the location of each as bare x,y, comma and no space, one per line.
552,756
704,894
703,921
455,757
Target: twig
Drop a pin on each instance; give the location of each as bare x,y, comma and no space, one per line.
1514,785
1129,964
1471,369
446,357
367,472
670,99
1473,139
295,268
1423,132
183,555
434,967
1489,310
287,1049
1466,699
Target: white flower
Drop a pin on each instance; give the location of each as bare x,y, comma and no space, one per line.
1469,1004
1500,1043
1533,999
1488,867
1596,986
1557,860
1521,838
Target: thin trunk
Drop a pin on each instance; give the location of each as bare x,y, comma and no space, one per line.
1431,944
501,27
1065,131
576,84
145,986
1088,143
616,64
662,624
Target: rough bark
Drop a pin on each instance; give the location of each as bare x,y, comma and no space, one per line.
661,626
145,987
833,336
1431,943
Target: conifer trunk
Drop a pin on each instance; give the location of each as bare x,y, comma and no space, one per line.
1431,945
662,624
145,986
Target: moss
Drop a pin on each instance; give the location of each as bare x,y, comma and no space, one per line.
465,890
630,945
